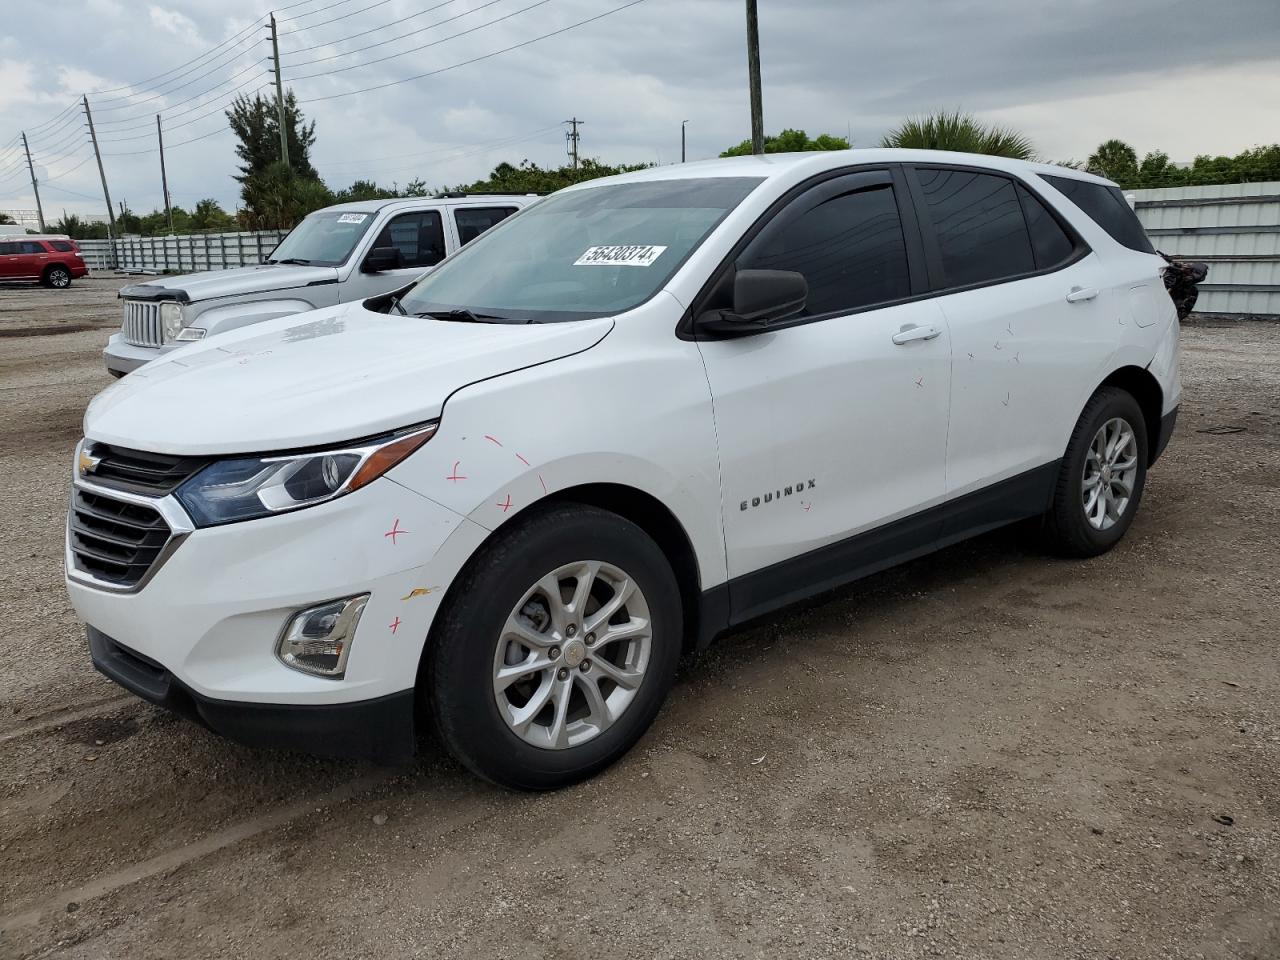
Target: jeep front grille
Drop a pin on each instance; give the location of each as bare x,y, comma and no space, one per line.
142,323
114,541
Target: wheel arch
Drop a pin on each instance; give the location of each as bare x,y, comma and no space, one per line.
1142,385
50,267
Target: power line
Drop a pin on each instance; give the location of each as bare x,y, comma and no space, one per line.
383,43
362,33
228,98
486,56
433,43
312,13
428,153
196,96
238,50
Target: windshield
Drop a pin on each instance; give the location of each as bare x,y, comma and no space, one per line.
581,253
323,239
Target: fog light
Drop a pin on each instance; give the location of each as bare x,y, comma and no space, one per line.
317,640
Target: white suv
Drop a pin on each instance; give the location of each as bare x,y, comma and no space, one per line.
636,413
340,254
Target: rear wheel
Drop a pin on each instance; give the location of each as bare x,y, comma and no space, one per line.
556,649
57,277
1102,477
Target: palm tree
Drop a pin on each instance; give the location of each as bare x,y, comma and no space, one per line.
961,132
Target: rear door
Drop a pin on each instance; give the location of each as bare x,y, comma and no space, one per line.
32,258
833,423
470,222
1024,301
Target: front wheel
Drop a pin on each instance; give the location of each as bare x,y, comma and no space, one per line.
556,648
1102,476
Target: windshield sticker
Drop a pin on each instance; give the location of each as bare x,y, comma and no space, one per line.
353,218
635,255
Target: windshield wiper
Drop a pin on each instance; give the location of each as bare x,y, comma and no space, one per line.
462,315
395,305
301,261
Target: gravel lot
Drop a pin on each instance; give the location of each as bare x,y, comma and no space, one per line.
984,754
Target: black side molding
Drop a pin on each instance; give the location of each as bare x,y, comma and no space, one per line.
754,594
1167,423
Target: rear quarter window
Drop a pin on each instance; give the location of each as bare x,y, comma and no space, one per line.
1107,207
61,246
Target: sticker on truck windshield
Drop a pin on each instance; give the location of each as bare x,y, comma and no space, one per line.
635,255
353,218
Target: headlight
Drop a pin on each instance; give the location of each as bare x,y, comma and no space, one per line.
170,321
243,489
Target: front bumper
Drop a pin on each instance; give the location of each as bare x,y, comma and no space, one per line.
122,358
381,729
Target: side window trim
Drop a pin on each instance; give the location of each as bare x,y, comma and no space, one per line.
420,215
933,254
911,236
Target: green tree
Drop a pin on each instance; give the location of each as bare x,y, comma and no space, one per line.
209,215
528,177
256,125
790,141
79,229
5,218
363,190
278,197
1115,160
961,132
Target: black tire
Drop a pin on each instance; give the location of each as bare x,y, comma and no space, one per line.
1067,527
458,676
57,277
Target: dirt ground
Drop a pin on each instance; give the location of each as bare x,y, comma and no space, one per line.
987,753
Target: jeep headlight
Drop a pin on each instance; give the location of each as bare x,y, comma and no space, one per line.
250,487
170,321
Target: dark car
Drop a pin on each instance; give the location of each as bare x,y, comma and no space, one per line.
51,260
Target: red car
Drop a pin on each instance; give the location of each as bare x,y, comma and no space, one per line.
52,260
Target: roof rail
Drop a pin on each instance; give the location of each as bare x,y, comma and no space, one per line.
459,194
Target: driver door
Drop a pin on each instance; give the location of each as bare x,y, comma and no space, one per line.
832,426
418,237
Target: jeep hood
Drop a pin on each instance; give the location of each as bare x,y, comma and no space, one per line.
327,376
231,283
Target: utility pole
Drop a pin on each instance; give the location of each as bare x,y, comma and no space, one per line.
572,139
34,188
682,123
111,217
753,76
275,56
164,179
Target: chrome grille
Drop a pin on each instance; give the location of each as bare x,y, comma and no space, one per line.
114,541
142,323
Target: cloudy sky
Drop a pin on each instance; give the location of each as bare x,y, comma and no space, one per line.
1181,76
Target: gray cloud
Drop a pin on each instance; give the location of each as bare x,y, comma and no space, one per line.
1068,73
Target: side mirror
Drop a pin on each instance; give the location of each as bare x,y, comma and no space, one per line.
760,298
381,258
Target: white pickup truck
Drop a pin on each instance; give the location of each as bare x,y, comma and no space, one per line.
340,254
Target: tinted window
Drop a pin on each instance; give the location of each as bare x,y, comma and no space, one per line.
473,221
62,246
846,238
418,236
9,249
31,246
978,220
1051,244
1107,207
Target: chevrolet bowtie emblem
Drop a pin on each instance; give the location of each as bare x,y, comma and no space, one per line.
88,463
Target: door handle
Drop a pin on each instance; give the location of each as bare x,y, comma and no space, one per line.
1080,294
911,332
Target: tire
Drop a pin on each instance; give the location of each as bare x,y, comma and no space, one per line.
498,618
1073,527
59,278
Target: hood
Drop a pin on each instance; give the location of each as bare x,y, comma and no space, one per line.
326,376
231,283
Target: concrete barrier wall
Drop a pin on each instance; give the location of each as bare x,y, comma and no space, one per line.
189,253
1233,227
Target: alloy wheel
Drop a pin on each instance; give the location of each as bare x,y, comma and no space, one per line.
572,655
1110,471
